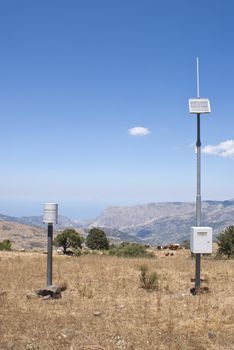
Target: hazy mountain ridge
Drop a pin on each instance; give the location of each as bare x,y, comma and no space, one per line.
154,223
29,232
161,223
37,221
125,217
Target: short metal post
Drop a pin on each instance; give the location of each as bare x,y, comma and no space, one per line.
49,254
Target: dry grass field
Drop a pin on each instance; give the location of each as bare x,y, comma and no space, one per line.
104,306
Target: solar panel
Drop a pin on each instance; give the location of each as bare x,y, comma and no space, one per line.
199,105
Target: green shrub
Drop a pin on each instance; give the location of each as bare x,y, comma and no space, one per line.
69,238
90,252
5,245
149,280
86,252
225,242
97,239
77,252
131,250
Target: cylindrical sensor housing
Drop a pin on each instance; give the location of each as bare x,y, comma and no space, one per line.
50,213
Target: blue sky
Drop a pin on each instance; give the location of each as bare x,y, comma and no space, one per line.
75,76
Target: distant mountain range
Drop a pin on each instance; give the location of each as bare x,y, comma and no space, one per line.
154,223
37,221
161,223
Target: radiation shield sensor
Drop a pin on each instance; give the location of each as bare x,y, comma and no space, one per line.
50,213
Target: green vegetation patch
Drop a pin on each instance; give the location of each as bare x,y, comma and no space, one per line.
97,240
225,242
69,238
130,250
5,245
148,279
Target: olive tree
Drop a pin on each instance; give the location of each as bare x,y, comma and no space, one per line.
96,239
69,238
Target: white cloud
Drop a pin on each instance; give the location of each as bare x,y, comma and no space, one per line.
224,149
138,131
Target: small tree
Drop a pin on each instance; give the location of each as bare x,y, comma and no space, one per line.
69,238
97,239
5,245
225,242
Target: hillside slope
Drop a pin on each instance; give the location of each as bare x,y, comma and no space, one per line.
23,236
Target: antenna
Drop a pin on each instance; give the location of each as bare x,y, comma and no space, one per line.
198,80
199,105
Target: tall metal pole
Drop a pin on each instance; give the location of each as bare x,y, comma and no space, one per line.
49,254
198,196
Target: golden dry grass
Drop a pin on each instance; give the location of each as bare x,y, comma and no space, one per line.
105,308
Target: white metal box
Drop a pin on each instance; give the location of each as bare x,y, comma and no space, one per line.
201,240
50,213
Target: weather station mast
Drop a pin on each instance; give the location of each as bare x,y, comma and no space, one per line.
201,237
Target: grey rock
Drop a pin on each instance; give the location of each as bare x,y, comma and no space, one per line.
47,297
32,295
97,313
53,291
